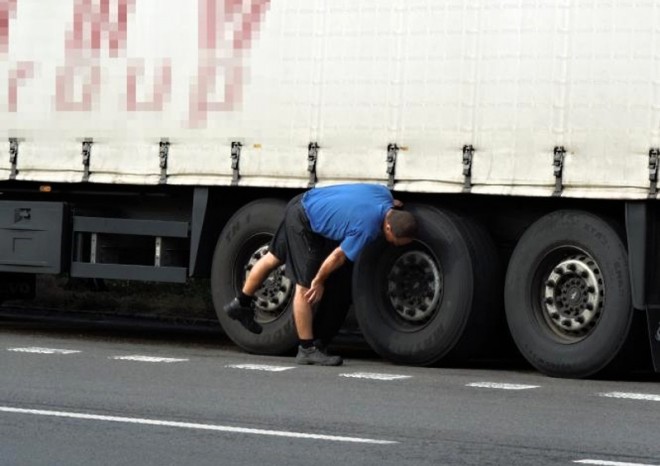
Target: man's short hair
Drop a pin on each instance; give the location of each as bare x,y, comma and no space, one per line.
402,223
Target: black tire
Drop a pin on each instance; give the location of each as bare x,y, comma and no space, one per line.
567,294
458,263
248,230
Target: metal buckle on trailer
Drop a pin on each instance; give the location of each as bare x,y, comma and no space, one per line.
13,157
654,160
392,153
235,158
468,156
558,164
312,157
86,157
163,154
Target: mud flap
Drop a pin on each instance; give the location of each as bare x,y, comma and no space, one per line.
653,319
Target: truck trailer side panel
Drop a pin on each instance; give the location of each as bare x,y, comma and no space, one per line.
515,81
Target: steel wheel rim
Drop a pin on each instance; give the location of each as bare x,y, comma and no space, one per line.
415,287
273,297
572,293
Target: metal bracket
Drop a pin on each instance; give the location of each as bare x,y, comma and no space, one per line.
392,154
13,157
468,156
235,159
558,164
163,154
86,157
312,157
654,160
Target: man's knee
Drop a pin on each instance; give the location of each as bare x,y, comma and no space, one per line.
301,289
271,260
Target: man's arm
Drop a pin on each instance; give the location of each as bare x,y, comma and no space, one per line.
336,259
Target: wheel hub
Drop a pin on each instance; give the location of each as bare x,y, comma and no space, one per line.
415,286
274,294
573,296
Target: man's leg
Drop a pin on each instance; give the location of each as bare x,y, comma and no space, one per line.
260,272
240,308
308,351
302,314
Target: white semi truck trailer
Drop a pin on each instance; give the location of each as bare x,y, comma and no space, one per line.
160,140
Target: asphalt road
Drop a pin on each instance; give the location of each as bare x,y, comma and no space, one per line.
81,397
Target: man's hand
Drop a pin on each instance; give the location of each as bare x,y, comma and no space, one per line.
331,263
315,292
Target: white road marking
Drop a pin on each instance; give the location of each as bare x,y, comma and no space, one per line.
502,386
37,350
631,396
260,367
610,463
375,376
191,425
140,358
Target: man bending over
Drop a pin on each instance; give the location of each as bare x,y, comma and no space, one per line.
351,215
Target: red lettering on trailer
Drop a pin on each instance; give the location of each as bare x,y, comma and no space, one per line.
18,72
162,88
88,79
7,11
99,30
97,25
24,70
226,31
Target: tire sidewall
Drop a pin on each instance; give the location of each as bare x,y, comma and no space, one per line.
440,232
532,336
257,218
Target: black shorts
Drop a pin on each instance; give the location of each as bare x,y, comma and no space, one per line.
298,246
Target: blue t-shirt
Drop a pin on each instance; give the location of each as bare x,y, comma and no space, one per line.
351,214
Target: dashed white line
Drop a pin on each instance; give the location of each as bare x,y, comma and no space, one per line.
610,463
191,425
37,350
375,376
140,358
631,396
502,386
260,367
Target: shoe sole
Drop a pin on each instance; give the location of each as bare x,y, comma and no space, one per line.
314,363
247,322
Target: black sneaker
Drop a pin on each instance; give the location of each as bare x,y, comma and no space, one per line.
244,315
314,355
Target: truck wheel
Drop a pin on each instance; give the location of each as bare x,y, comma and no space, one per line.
427,301
243,240
567,294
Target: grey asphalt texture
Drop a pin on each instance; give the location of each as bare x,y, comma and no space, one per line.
433,416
